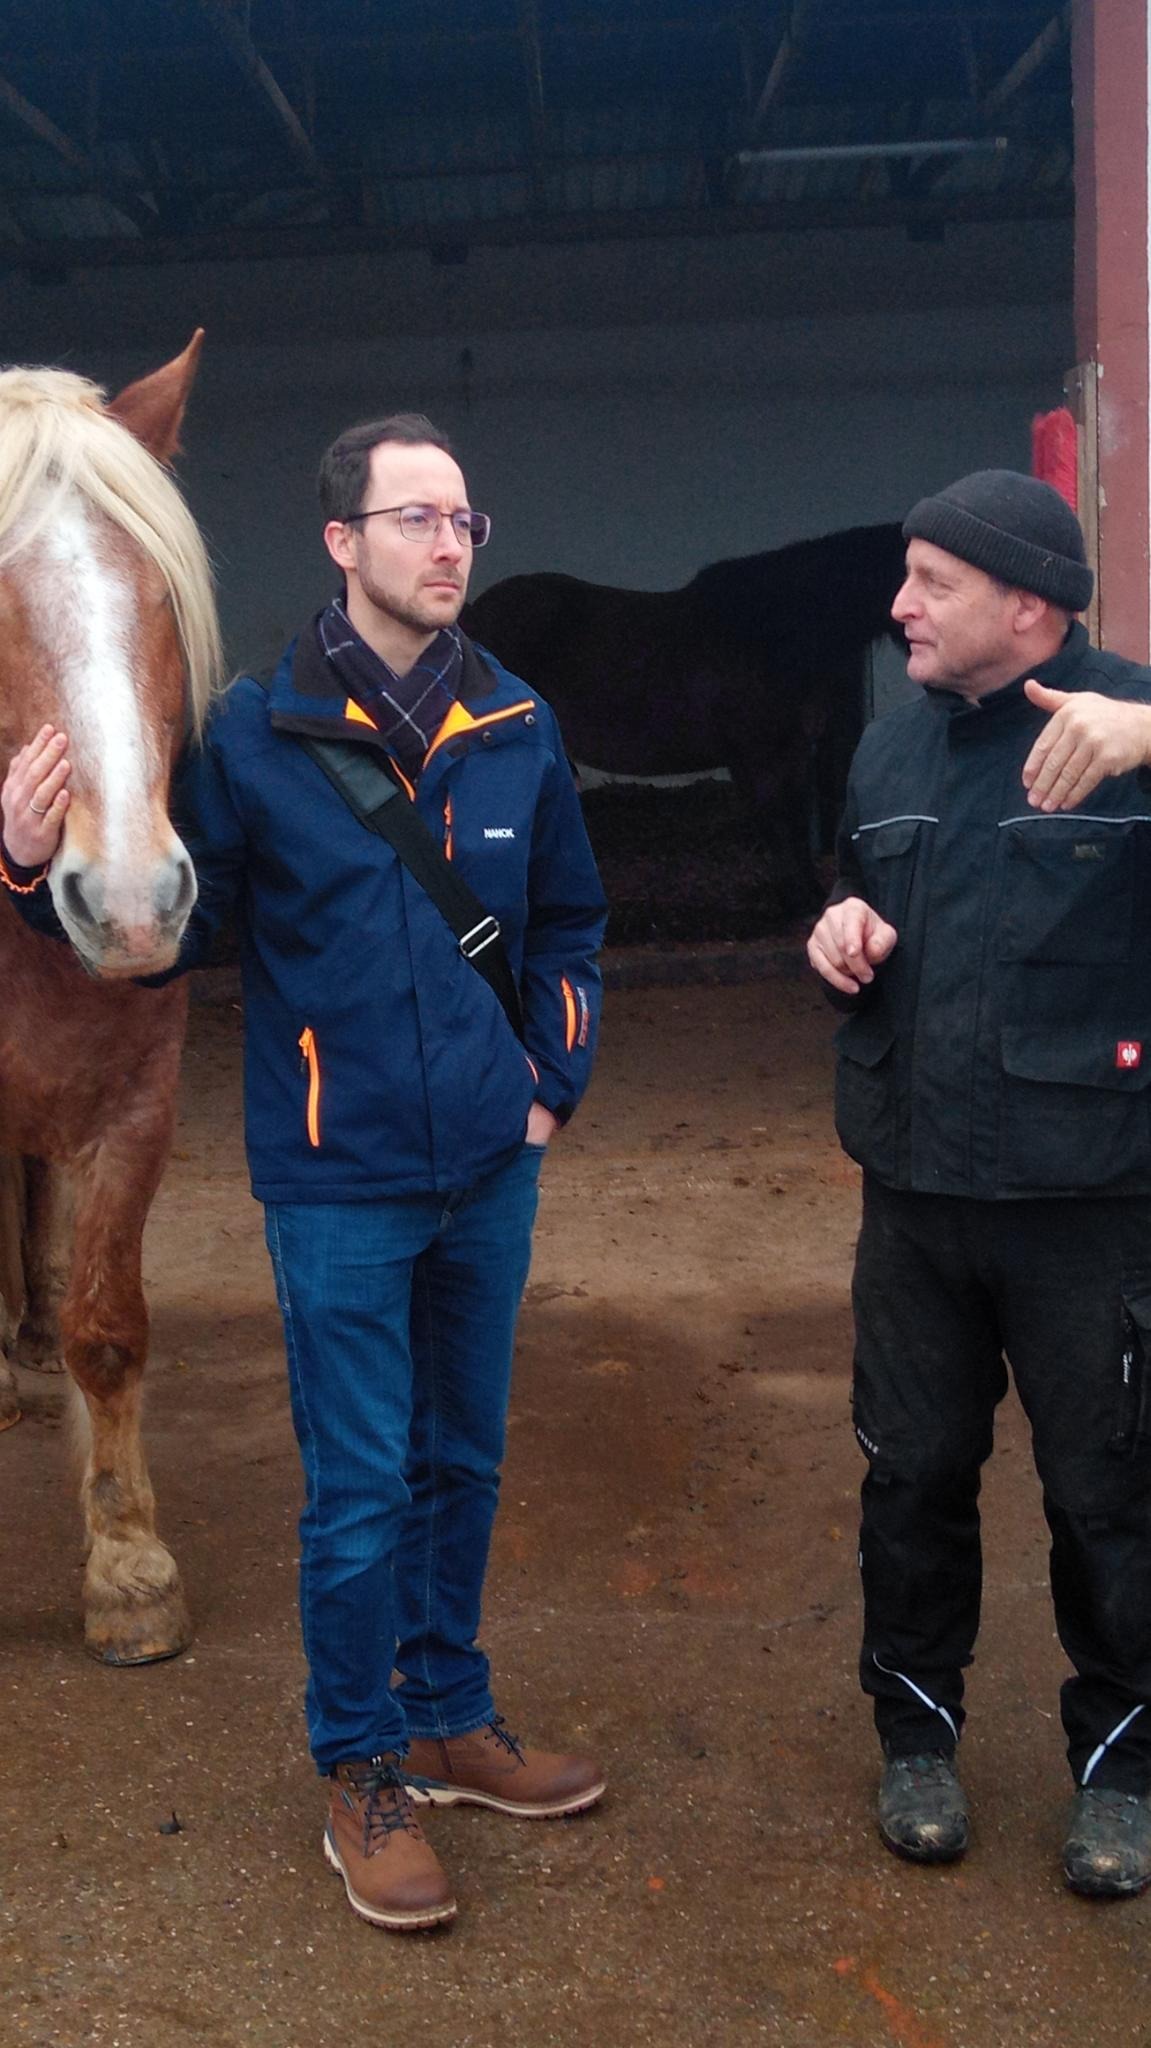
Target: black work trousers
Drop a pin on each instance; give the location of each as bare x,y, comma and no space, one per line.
946,1291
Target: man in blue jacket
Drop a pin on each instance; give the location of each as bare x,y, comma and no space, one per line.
395,1124
988,936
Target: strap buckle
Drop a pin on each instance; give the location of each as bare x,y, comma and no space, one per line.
485,933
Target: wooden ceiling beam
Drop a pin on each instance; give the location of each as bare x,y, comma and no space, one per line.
133,205
243,50
46,131
533,68
781,63
529,25
1025,66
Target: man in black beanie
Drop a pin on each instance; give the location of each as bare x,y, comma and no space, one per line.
990,946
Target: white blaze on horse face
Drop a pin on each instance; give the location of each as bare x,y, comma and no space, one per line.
88,627
121,867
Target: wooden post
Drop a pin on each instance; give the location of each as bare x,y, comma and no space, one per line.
1081,389
1110,50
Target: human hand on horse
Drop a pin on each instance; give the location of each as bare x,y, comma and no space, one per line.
848,944
34,799
1086,738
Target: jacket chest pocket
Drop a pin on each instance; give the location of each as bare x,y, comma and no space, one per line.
1068,891
888,855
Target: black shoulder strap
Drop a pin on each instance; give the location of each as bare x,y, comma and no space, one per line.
367,786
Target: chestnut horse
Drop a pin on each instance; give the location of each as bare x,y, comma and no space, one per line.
109,632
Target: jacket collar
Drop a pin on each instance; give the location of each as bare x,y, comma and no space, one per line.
305,696
1060,672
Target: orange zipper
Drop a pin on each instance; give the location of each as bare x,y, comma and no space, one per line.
569,1012
447,828
308,1048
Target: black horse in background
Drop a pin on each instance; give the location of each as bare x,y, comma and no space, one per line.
756,665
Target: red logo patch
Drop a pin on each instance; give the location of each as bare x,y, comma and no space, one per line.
1129,1052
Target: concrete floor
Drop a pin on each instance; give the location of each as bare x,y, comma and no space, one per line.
673,1584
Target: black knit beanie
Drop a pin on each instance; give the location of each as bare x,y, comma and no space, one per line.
1014,527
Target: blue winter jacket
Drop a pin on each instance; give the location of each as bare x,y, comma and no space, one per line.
376,1059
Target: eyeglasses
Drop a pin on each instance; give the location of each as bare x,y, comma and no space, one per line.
423,522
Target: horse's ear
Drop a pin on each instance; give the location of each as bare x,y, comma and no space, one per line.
153,407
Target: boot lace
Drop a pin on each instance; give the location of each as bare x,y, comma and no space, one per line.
1127,1808
386,1808
503,1735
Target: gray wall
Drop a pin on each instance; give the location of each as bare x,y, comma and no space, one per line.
626,412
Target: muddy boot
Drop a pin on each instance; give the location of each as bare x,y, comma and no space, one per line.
1107,1854
922,1812
490,1767
373,1839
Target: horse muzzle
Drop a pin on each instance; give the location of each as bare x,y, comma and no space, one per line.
120,930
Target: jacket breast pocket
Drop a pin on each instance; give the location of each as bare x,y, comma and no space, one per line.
865,1098
1068,891
888,855
1073,1115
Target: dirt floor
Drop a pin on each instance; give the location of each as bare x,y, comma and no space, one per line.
673,1584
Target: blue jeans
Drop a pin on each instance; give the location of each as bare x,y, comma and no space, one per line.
399,1323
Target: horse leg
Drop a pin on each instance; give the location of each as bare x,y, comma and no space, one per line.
11,1277
133,1600
47,1237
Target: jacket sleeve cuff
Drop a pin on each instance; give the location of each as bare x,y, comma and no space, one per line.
21,881
554,1094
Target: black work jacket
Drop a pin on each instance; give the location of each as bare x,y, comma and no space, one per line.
1004,1048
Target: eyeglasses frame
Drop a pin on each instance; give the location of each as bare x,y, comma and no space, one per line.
354,519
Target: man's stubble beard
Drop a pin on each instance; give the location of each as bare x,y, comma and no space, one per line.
409,616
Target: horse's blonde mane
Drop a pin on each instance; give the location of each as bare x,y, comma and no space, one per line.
56,437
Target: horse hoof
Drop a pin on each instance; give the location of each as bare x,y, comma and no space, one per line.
148,1634
132,1641
122,1660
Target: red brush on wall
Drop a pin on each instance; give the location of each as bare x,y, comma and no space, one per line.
1054,454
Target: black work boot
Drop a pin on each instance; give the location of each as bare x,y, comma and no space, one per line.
1107,1854
922,1812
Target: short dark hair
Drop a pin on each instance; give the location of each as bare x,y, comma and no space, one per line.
343,473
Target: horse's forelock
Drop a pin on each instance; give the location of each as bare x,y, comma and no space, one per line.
56,437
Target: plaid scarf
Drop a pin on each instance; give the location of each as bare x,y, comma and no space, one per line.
409,710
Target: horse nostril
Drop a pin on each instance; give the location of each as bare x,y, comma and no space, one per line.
185,891
75,903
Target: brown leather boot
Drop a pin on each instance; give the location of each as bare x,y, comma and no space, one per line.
390,1870
490,1767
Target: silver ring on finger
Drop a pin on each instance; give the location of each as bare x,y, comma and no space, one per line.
36,808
